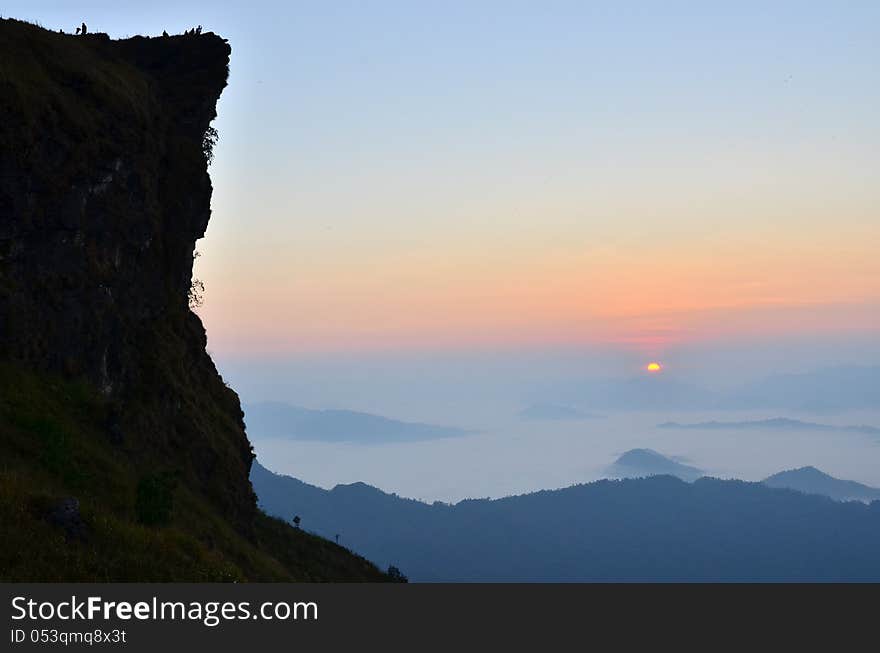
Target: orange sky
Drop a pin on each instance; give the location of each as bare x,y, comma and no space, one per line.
711,179
642,296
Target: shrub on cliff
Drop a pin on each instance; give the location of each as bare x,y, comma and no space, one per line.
208,142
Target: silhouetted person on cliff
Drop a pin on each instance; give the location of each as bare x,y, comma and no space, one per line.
199,29
164,33
85,29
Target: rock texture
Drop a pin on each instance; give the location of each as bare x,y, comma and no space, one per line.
104,191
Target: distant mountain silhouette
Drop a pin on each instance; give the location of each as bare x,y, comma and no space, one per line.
827,390
555,412
638,463
772,423
660,392
280,420
651,529
813,481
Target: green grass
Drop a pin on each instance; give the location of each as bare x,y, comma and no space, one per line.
53,446
35,58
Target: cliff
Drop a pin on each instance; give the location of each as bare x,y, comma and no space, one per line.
104,191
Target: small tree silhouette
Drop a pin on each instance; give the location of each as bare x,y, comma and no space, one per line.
209,140
196,294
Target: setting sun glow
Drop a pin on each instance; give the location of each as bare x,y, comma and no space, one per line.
654,367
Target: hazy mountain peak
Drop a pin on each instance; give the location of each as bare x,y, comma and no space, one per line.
274,419
811,480
647,462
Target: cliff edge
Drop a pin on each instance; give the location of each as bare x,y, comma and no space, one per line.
109,398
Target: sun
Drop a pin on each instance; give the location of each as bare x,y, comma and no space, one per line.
654,367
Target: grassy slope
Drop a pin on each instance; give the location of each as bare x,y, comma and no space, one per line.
52,446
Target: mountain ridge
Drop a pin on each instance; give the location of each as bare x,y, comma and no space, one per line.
811,480
649,529
772,423
274,419
637,463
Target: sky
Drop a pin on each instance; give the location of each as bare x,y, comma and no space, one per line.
649,178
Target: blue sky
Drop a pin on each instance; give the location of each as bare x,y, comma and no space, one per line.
403,174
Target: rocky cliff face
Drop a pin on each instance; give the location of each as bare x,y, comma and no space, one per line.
104,191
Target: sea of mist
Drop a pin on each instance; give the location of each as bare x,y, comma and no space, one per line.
512,456
506,454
